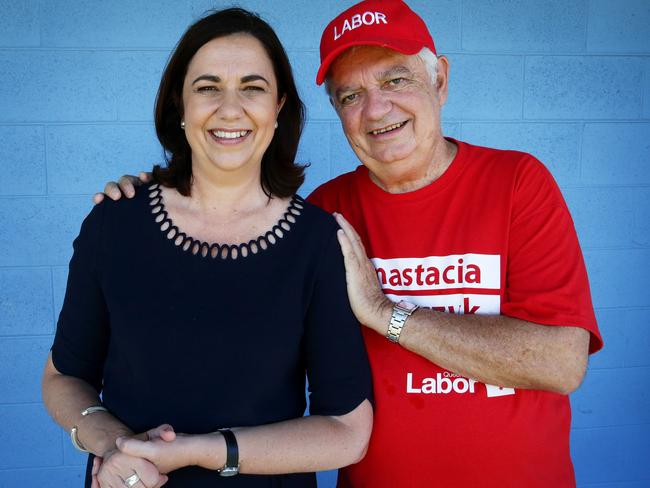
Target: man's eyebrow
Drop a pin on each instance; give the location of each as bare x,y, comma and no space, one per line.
344,89
394,70
389,73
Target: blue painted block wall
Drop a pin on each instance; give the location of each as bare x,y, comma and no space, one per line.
568,81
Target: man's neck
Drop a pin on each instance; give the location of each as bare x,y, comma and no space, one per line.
420,176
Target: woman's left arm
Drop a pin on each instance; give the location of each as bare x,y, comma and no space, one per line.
305,444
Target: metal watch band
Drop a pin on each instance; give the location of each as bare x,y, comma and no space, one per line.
231,468
401,312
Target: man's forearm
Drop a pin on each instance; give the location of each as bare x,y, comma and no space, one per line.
496,350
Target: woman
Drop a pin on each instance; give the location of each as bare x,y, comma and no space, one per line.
245,289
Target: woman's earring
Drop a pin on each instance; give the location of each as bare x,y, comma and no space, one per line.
276,124
183,124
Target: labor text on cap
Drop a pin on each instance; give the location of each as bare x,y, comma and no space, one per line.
357,20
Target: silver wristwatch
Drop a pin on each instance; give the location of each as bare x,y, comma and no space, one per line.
401,312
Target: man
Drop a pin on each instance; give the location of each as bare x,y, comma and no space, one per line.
471,387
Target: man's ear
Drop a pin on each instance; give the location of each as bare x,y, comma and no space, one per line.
442,79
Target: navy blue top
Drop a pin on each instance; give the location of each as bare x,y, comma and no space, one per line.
173,330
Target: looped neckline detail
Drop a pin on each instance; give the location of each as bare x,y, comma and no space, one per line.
223,252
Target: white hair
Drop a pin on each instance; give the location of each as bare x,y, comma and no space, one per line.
429,59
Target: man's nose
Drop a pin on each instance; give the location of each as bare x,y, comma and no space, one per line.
378,104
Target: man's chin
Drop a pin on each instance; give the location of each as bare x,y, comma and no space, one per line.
392,159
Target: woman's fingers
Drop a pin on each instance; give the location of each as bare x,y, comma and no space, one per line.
164,432
147,473
134,447
119,467
97,462
163,479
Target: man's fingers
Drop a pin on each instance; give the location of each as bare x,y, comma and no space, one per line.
98,198
127,184
349,257
354,238
145,177
112,190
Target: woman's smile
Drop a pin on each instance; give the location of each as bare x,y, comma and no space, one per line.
230,106
229,137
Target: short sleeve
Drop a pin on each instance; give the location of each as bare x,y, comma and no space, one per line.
82,332
546,278
336,359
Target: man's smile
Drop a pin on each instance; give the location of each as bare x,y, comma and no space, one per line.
388,128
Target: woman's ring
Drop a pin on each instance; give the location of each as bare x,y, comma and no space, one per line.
132,480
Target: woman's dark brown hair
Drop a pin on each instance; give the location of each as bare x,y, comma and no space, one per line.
281,176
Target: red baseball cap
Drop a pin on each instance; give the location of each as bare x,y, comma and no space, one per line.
385,23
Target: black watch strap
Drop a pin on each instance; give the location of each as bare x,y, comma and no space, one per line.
231,467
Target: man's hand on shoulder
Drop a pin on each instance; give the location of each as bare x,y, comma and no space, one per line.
125,186
369,304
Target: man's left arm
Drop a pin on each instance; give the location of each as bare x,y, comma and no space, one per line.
497,350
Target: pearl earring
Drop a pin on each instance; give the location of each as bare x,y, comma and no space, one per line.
183,124
276,124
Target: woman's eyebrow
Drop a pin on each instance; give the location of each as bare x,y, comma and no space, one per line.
213,78
244,79
254,77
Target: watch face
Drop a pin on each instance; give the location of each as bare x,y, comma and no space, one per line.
409,307
229,471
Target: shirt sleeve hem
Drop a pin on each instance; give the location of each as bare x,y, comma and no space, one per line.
343,409
595,340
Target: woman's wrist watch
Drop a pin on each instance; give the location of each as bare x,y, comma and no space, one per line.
231,468
401,312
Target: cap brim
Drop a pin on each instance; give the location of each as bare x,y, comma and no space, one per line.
404,46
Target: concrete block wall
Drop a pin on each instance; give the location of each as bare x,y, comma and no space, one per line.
568,81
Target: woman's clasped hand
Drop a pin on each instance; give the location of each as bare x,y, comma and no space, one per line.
129,460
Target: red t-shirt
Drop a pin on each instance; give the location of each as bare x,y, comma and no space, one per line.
492,235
